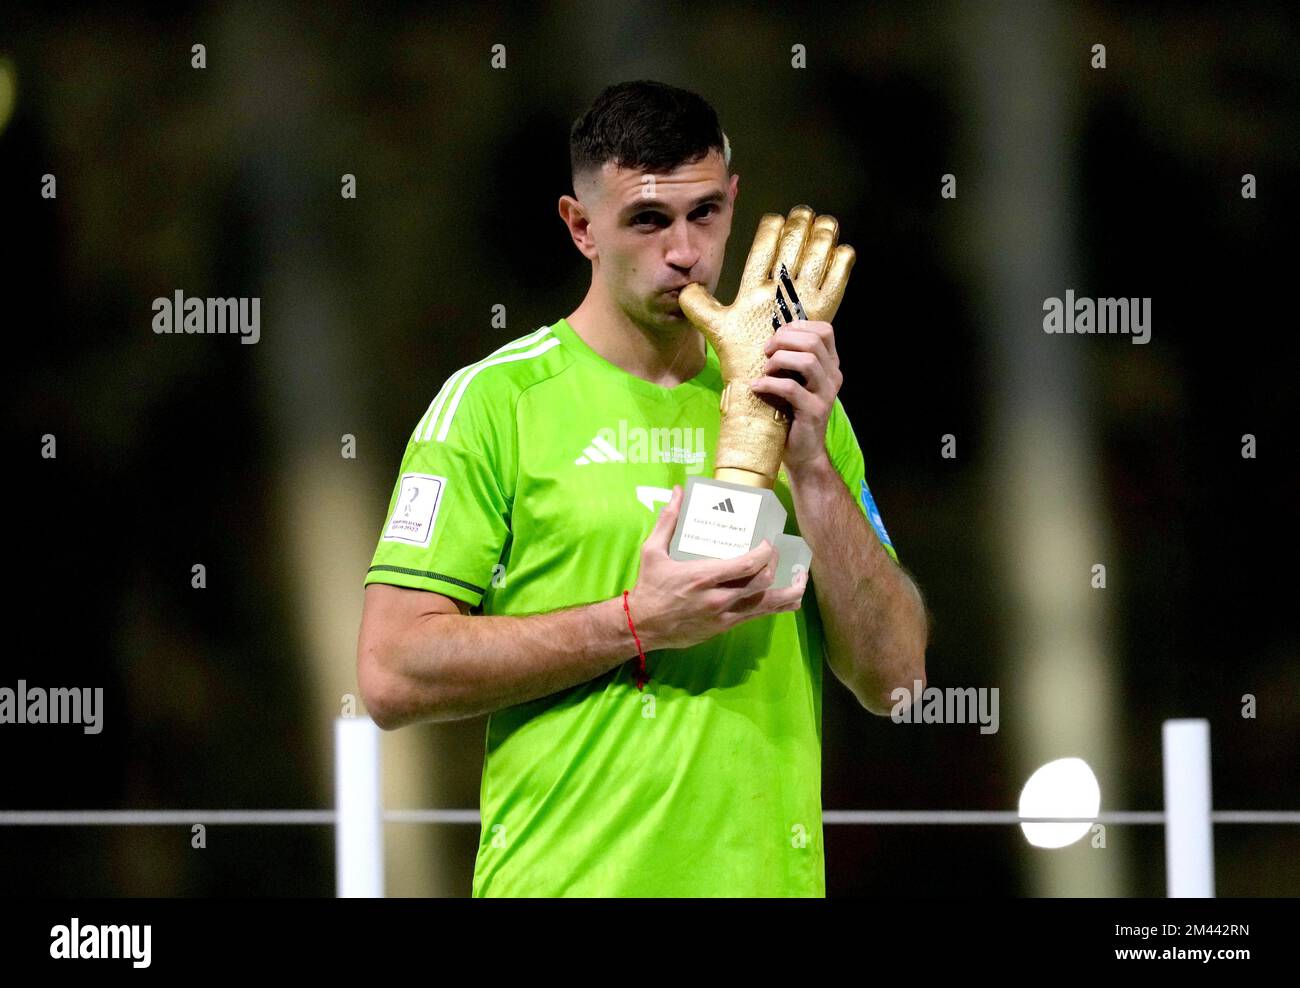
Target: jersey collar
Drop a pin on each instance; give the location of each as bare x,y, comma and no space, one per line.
708,379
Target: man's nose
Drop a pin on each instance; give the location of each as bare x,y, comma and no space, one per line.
683,252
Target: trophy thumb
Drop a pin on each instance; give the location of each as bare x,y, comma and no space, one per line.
702,309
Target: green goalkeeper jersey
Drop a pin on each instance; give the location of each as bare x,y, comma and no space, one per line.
529,485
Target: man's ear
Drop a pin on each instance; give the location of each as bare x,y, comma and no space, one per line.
579,226
734,189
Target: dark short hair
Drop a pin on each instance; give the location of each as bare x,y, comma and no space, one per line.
645,125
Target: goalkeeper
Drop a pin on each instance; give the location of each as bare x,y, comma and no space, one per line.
653,725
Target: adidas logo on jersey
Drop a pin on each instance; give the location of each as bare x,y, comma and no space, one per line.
635,444
599,450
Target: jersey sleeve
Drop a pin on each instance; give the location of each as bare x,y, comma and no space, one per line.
449,513
846,455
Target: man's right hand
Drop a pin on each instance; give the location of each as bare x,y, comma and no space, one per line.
677,603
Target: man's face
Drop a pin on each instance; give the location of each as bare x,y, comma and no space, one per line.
653,234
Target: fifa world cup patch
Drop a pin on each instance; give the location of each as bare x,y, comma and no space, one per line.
416,509
878,523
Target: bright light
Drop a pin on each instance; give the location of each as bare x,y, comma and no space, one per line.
1065,787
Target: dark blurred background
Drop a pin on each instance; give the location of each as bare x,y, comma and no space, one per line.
1071,451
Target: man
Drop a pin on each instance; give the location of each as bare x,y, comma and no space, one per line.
529,491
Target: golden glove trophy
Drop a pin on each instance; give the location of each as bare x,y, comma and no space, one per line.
794,271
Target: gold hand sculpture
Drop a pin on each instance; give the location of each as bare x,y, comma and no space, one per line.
753,430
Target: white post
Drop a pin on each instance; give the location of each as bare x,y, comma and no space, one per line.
358,808
1189,832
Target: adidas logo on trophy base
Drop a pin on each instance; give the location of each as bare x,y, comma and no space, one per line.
721,520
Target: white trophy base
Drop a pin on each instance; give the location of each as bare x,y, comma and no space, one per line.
720,519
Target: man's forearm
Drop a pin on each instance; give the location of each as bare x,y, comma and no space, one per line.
453,666
872,615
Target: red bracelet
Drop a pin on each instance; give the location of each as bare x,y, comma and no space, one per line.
641,676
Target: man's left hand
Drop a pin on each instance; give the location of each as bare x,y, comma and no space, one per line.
804,347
